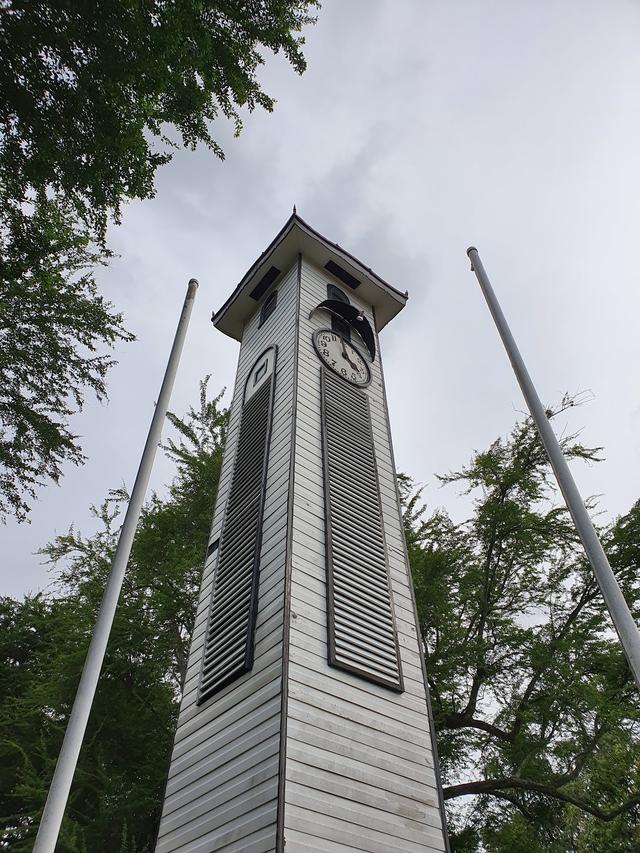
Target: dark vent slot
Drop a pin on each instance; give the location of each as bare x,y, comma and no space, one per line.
265,283
362,631
350,280
228,650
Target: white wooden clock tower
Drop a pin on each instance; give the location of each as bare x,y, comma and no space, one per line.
304,724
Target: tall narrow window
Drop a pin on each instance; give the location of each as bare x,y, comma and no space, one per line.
229,642
337,323
361,624
268,307
334,292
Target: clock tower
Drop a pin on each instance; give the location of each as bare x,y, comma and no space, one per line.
304,723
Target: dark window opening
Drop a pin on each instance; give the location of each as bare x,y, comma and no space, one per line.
213,548
350,280
334,292
341,327
268,307
338,325
265,283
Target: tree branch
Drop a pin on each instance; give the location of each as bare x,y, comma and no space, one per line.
496,787
511,798
538,671
461,721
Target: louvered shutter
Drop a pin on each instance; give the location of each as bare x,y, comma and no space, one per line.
361,625
228,650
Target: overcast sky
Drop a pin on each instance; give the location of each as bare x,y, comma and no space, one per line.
418,129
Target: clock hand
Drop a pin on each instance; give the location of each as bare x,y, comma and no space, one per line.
346,357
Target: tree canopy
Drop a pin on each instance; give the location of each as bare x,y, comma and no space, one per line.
91,105
117,791
86,97
535,710
54,327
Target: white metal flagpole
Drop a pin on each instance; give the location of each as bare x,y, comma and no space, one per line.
65,768
620,614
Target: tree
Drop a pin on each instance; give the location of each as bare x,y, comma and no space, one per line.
117,792
535,709
52,322
91,105
536,713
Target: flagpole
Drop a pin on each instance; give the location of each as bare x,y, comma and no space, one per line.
65,768
620,614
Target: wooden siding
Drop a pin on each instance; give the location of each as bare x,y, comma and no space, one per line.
359,766
223,781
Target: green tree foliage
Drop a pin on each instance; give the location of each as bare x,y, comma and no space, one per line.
535,709
117,791
85,97
92,101
536,712
52,324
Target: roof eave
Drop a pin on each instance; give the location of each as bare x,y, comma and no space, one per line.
295,237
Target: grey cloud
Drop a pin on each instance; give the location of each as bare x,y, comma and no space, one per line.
417,130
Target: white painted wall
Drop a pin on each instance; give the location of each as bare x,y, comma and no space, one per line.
359,770
359,767
223,781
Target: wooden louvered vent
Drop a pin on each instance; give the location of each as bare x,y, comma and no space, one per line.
362,632
228,650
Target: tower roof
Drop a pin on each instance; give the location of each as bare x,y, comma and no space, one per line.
297,237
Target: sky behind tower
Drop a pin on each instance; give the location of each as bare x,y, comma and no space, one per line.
418,129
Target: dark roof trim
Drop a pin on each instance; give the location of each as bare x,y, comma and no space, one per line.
293,219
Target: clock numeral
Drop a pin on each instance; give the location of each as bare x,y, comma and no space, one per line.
350,365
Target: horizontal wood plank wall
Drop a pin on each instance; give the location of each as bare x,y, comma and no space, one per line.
223,781
359,773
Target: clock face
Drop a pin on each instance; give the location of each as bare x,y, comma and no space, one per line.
342,357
